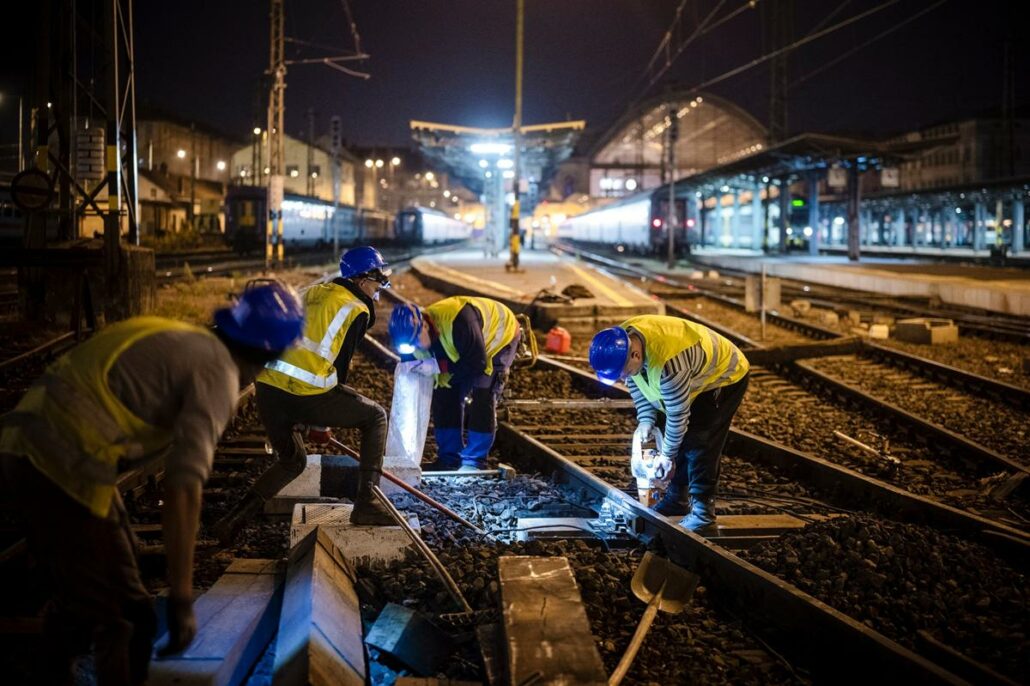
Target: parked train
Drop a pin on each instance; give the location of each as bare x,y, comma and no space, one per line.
636,224
422,226
312,223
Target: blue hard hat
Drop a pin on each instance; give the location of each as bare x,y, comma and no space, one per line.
609,352
404,327
362,260
268,316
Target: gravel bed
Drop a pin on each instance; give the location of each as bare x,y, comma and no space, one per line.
699,646
999,360
994,424
901,578
746,324
807,420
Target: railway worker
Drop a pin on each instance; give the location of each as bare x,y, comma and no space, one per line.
696,378
141,390
306,386
474,342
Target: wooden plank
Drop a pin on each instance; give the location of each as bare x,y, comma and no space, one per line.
320,636
546,628
236,618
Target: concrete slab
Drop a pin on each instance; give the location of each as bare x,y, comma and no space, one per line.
320,633
466,272
330,478
546,628
361,544
236,619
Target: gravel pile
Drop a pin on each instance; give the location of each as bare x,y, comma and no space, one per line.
747,324
806,421
994,424
698,646
901,578
999,360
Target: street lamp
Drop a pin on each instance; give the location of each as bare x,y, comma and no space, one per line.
220,165
181,154
395,162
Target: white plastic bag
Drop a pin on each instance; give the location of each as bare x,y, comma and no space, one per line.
409,412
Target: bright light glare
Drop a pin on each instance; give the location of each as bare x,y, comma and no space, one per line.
509,174
181,154
446,194
490,148
220,165
406,349
483,164
395,161
808,232
257,130
505,164
631,184
379,164
369,163
430,176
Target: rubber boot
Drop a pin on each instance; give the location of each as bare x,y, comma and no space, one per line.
368,511
675,502
227,527
473,457
448,451
702,514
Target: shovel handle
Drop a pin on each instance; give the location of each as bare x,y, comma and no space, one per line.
638,639
417,493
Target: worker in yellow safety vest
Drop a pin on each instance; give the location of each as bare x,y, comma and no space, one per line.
697,379
142,391
474,342
307,387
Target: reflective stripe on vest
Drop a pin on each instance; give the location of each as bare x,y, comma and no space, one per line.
73,428
499,325
309,368
666,337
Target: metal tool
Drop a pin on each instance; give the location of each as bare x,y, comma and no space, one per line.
527,352
414,491
883,453
420,545
648,469
663,586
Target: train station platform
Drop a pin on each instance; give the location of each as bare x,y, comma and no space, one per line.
996,289
536,289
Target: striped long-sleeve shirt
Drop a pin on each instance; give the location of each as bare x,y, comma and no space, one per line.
680,384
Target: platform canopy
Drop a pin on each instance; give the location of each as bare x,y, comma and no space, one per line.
466,152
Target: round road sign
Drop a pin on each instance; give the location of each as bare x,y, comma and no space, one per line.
32,190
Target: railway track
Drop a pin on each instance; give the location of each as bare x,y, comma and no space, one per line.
556,424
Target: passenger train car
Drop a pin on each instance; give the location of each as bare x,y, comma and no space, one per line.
307,222
635,224
423,226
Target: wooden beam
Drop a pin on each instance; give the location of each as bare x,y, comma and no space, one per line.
546,629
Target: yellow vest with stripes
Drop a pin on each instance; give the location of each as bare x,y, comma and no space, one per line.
73,428
499,325
665,337
308,367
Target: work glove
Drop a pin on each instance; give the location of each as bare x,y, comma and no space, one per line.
645,432
182,626
427,367
319,434
663,469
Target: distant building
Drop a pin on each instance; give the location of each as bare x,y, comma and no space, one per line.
308,169
966,152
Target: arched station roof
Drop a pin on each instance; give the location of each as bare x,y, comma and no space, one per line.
712,131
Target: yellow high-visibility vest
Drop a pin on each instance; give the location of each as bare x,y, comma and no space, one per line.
73,428
499,325
665,337
308,368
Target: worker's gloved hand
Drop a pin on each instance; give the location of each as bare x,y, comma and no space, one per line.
663,470
645,432
428,367
182,626
319,434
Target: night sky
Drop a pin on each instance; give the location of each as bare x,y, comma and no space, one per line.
453,61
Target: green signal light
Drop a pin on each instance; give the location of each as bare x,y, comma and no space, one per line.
797,202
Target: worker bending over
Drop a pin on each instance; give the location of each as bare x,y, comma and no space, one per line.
697,379
141,390
474,341
307,387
